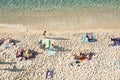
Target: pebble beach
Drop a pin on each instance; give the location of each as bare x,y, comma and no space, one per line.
101,67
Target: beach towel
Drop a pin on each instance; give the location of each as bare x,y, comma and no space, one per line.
45,41
117,65
52,51
8,46
85,39
49,74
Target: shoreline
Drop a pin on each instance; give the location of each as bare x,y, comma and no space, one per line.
11,30
64,20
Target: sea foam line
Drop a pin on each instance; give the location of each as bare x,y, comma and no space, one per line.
15,26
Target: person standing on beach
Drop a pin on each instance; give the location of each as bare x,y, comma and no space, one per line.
44,35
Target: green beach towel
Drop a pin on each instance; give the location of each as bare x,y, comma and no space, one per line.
45,41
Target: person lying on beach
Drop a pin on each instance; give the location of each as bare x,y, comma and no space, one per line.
53,50
2,41
114,41
44,35
53,46
19,54
8,43
43,46
88,37
29,54
81,57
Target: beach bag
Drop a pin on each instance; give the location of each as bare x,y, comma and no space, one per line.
49,74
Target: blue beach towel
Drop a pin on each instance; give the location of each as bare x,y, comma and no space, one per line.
85,39
52,51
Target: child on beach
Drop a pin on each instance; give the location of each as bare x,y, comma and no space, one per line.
8,43
44,35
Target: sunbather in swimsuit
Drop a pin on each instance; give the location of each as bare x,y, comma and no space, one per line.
114,41
9,43
89,37
29,54
19,54
81,57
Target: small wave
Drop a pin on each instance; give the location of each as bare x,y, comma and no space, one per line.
15,26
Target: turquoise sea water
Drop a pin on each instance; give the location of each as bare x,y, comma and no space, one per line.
54,14
56,4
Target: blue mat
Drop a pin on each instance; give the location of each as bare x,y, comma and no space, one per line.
86,40
52,51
